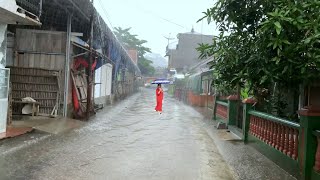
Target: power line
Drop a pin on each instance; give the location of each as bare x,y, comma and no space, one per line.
106,14
156,15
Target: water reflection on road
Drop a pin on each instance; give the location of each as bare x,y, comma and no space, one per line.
127,141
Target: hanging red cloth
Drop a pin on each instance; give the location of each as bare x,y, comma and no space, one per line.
80,61
75,100
159,97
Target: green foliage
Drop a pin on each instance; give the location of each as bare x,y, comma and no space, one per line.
264,42
145,66
194,84
181,83
130,41
171,89
244,92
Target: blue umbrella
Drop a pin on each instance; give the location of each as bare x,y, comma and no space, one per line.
161,81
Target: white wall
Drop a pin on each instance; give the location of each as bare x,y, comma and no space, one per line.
97,79
3,80
103,75
103,80
3,45
109,79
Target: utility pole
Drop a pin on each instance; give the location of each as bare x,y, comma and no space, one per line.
89,90
167,49
168,38
40,9
67,68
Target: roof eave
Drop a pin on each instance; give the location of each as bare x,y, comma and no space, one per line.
11,13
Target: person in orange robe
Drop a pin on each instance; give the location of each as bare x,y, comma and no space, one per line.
159,96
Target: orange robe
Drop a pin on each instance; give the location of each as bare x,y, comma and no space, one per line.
159,96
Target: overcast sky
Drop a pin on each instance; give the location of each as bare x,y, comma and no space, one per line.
152,20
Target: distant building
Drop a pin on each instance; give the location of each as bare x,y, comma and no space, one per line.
160,72
133,54
185,55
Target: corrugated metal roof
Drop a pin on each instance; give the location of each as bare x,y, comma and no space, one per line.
54,16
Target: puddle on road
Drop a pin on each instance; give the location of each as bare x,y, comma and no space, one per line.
127,140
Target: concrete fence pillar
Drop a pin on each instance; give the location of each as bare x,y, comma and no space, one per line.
232,109
247,106
215,99
309,122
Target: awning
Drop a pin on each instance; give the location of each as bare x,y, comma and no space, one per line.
10,13
204,73
202,63
83,45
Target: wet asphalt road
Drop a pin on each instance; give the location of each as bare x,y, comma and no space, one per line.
127,141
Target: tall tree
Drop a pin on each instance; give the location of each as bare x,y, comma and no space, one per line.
129,40
263,43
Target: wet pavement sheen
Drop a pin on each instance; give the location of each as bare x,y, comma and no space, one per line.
127,141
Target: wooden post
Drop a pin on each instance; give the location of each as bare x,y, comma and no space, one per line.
66,68
89,89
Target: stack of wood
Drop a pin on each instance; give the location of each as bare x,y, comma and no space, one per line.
79,92
42,85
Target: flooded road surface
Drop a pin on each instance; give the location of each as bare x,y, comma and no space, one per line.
127,141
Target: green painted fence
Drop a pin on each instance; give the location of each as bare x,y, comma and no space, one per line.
316,168
293,146
275,137
225,110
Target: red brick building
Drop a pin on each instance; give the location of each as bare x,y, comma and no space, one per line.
133,53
